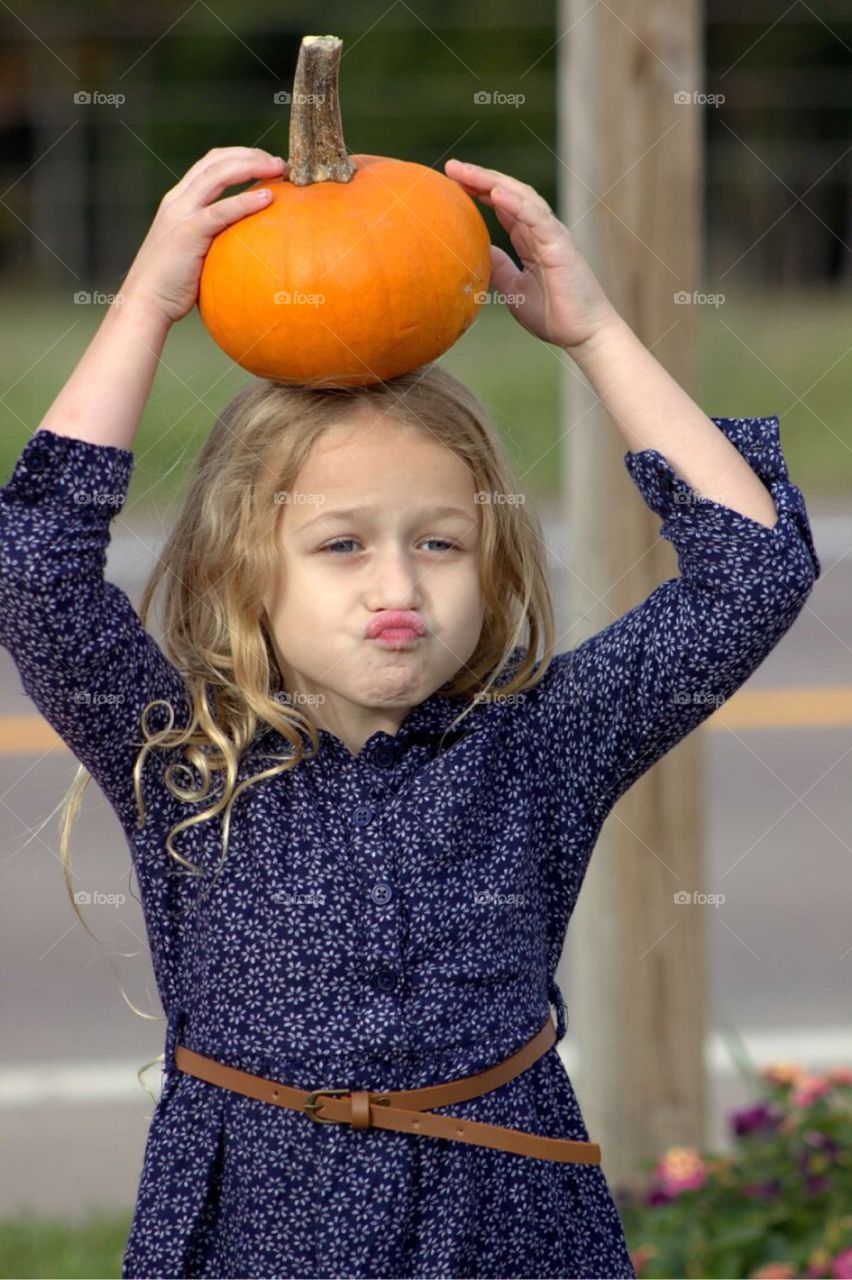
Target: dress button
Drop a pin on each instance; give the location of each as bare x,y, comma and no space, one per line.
386,980
362,815
381,892
36,458
384,755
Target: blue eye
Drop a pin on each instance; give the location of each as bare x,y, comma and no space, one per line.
339,542
444,541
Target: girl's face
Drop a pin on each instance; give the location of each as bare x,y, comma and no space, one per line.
338,572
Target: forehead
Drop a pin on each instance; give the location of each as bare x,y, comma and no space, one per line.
374,453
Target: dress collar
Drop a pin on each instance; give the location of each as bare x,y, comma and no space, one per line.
425,722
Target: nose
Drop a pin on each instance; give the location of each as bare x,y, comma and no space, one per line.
395,584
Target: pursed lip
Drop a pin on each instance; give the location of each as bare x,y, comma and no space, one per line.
395,620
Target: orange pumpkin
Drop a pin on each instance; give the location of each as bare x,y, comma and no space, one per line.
360,268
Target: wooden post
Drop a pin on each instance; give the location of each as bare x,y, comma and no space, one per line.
635,981
55,211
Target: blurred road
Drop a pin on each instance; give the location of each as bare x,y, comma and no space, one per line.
778,844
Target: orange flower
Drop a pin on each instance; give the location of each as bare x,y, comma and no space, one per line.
681,1169
783,1073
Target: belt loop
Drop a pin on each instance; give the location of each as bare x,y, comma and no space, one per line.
555,996
174,1029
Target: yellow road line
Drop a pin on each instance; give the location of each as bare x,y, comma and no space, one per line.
811,707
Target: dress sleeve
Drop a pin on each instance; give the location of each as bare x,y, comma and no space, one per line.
627,695
81,651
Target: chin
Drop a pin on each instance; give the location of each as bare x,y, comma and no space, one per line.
404,682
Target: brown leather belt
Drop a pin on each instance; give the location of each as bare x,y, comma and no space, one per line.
406,1110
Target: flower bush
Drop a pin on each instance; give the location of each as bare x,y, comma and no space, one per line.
779,1204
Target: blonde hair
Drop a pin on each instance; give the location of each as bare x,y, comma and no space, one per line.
221,556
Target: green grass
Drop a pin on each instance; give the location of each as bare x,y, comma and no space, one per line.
31,1245
758,356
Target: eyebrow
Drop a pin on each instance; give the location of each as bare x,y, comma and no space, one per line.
348,512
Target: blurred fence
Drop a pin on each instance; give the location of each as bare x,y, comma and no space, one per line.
102,109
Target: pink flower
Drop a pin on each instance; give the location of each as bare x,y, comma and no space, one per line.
681,1169
819,1264
774,1271
808,1089
840,1075
641,1255
842,1269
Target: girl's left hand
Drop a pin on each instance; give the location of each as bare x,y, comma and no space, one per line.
556,296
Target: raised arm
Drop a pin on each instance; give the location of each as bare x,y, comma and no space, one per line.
103,400
618,702
80,649
624,697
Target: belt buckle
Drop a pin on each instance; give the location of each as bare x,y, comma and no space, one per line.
312,1106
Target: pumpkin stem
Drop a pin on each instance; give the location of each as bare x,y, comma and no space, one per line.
317,149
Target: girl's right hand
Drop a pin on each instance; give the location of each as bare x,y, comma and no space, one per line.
166,272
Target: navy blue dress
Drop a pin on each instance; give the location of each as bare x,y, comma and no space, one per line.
386,920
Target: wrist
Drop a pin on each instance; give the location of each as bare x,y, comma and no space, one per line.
139,310
612,330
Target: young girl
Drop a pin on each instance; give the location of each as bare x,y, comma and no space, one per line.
358,803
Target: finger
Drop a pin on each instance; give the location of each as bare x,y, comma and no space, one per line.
533,222
504,274
528,241
210,184
475,173
212,219
523,240
215,157
474,193
216,154
486,179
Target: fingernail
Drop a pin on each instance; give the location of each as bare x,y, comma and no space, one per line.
261,193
